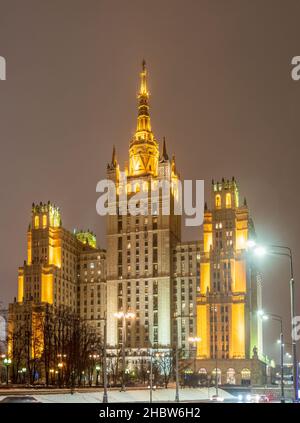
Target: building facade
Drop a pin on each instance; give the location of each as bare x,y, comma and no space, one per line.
230,292
62,270
207,290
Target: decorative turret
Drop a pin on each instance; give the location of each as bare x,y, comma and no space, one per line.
45,215
87,238
164,156
225,194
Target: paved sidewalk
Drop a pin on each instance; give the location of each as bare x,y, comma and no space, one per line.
160,395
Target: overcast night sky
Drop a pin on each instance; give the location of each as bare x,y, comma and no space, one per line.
221,94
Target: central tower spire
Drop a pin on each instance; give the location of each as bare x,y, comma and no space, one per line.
143,129
143,151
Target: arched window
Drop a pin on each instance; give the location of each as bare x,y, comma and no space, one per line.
202,375
137,187
44,221
228,200
218,201
245,376
230,377
36,222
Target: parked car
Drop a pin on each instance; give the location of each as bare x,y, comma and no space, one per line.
16,399
217,398
264,398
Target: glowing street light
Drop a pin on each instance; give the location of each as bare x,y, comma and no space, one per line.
251,243
98,368
124,316
284,251
266,316
194,339
7,363
260,251
288,355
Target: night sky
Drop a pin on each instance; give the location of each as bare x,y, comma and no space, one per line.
221,94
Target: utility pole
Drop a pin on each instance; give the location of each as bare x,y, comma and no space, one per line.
177,371
105,396
151,374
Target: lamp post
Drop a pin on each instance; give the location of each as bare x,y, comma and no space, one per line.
60,376
194,340
7,363
266,316
97,374
124,316
177,372
176,317
105,396
151,375
24,374
215,343
284,251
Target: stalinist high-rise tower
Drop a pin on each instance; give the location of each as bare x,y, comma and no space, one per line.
139,260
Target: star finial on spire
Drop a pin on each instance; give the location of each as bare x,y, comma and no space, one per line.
144,65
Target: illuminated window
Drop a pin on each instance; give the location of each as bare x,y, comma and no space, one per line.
137,187
36,222
246,376
218,201
44,221
145,186
228,200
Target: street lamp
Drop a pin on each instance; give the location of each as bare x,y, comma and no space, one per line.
23,370
194,340
215,343
7,363
266,316
60,367
124,316
284,251
97,376
105,396
52,373
151,374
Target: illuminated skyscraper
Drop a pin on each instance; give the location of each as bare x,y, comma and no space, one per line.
140,248
230,291
62,270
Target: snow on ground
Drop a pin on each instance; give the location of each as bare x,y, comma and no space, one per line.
161,395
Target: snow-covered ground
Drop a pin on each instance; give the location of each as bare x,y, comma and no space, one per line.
161,395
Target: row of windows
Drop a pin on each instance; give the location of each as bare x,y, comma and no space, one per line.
218,200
